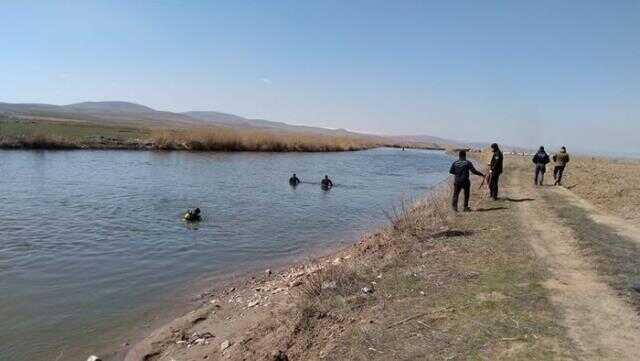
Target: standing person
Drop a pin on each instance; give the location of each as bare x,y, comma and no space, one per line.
460,169
540,159
495,169
561,159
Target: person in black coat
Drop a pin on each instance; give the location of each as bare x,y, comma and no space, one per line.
495,170
540,159
460,169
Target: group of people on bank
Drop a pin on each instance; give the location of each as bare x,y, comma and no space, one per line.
462,168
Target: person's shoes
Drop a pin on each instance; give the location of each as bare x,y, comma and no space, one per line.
455,209
467,209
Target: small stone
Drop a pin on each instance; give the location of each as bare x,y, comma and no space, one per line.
268,271
367,290
337,260
328,285
295,283
94,358
214,301
225,345
253,303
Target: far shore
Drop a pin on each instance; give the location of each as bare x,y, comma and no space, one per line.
80,135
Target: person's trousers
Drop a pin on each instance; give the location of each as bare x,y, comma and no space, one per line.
493,185
459,187
540,169
557,173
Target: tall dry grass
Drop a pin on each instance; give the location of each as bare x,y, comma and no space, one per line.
224,139
611,184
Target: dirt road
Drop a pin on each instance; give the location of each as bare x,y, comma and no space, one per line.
599,316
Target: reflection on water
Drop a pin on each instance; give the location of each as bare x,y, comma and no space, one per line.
92,242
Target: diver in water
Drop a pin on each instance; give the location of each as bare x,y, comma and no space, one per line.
294,180
193,216
326,183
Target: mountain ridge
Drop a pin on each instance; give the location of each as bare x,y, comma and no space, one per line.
129,113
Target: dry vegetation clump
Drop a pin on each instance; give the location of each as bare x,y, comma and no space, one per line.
37,141
226,139
610,184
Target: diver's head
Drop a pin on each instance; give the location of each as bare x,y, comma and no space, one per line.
495,147
294,175
197,211
462,154
563,148
326,176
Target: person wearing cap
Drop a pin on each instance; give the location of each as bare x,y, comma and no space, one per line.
495,170
561,159
460,170
540,159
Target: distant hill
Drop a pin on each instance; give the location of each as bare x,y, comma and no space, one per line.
131,114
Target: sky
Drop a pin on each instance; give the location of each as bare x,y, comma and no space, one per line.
515,72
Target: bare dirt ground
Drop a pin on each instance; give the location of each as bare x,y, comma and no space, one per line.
539,275
603,325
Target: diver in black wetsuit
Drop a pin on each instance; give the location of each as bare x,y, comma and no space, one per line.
326,183
294,180
193,216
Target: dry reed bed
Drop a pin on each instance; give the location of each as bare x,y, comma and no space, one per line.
252,140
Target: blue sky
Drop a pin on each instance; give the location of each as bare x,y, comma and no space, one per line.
525,73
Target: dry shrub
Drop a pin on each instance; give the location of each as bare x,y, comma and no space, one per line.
227,139
424,218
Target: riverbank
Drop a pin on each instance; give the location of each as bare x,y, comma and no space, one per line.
520,278
69,135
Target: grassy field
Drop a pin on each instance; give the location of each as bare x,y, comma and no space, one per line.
609,184
48,134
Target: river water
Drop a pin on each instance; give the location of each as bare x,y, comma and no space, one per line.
92,242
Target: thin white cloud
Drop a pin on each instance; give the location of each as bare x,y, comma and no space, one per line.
266,80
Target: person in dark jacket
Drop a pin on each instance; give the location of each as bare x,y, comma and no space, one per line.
460,169
540,159
561,159
495,170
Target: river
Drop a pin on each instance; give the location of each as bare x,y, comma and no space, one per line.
92,244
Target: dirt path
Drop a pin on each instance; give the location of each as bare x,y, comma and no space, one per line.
603,325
